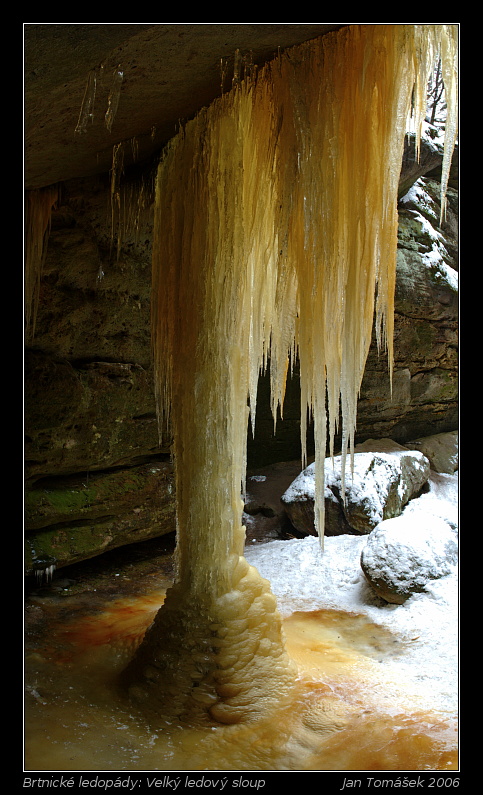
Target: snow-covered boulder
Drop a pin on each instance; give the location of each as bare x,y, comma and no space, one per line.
384,478
441,449
402,555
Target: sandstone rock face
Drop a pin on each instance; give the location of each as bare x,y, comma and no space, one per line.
385,477
74,518
424,396
98,473
84,417
402,556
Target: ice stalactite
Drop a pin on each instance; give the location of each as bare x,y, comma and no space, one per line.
114,95
86,113
275,234
45,573
95,78
38,210
116,173
130,200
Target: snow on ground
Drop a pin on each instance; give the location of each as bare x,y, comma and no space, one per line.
305,578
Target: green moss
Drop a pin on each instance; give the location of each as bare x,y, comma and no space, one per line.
90,496
434,386
60,500
62,545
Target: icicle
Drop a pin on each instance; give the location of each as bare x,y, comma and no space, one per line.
237,68
86,114
134,148
114,95
38,209
45,573
449,49
223,73
49,572
116,173
249,68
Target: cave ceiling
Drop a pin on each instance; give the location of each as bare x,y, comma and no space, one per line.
169,71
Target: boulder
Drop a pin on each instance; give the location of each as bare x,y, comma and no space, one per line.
405,553
441,449
384,477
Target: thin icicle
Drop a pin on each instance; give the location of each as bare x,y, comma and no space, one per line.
86,114
114,96
38,211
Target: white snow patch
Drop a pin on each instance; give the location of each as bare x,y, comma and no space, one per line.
406,553
303,578
377,467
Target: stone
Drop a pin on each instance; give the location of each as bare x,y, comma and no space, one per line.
81,417
75,518
441,449
403,555
384,478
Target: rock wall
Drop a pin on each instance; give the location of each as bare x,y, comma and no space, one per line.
98,474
